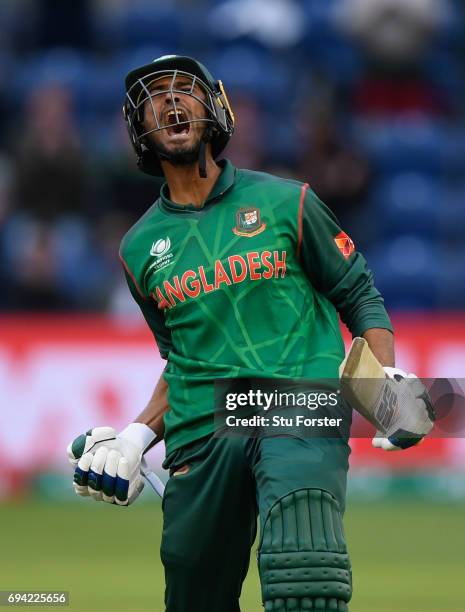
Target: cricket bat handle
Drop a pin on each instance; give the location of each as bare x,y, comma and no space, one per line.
154,481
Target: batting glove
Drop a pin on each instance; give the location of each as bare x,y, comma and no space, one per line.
420,424
108,465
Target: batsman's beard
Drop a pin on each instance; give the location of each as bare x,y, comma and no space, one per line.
180,155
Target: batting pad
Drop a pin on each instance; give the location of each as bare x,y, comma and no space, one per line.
303,560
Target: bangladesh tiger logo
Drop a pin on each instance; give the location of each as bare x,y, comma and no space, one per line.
248,222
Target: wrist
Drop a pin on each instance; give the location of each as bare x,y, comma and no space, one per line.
139,434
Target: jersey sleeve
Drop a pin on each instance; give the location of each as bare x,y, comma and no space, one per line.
153,316
336,269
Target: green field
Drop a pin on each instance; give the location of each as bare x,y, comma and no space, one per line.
407,557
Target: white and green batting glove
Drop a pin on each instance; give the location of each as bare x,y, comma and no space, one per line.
108,465
418,418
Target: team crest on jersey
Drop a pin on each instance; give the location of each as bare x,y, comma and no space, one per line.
248,222
344,244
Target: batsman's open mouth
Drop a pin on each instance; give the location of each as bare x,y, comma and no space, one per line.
178,123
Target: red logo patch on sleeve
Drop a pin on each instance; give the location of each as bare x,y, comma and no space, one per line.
344,244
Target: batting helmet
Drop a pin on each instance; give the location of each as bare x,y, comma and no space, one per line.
219,116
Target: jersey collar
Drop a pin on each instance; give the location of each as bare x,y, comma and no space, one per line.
223,184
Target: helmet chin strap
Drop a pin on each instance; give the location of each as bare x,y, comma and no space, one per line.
202,159
202,152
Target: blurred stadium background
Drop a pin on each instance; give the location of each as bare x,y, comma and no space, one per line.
362,98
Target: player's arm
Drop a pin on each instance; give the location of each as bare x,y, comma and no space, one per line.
108,464
153,413
381,343
338,271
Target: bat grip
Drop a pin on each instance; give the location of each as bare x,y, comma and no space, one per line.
153,480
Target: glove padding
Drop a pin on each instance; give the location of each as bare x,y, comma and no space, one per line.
417,423
108,467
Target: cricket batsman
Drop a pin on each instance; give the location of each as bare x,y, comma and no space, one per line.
239,274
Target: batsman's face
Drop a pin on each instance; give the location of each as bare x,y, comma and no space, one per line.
176,112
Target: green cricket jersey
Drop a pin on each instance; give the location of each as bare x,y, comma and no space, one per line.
248,285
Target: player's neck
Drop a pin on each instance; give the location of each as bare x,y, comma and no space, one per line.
185,184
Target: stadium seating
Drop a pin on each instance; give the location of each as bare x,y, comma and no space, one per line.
413,218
